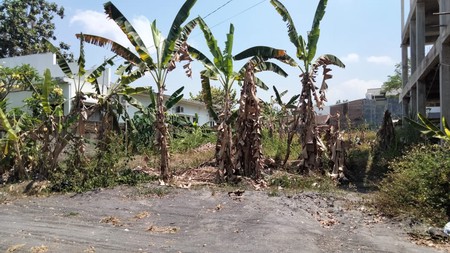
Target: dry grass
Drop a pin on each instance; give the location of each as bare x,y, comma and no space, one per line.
15,248
163,230
111,220
39,249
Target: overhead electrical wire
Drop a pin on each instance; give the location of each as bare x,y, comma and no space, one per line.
223,21
220,7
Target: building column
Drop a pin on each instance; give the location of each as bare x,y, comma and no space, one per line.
444,69
420,32
421,97
413,45
444,81
420,54
405,77
413,102
444,20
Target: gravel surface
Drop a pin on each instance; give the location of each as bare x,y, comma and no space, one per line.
135,219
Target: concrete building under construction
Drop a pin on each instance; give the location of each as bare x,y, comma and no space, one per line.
425,44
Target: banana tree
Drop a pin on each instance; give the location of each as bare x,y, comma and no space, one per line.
11,139
143,122
305,116
248,160
169,50
221,69
283,114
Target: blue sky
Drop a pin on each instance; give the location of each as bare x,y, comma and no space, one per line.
364,34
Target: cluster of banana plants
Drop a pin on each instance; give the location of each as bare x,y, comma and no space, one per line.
230,156
238,149
49,130
305,115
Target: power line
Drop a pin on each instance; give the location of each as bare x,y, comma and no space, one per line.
223,21
249,8
220,7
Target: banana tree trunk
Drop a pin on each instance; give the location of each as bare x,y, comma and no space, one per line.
224,144
248,137
162,135
308,135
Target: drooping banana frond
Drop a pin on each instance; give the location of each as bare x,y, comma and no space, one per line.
133,76
260,83
96,73
115,47
196,54
207,96
329,59
134,38
270,66
266,53
175,31
60,59
313,35
174,98
291,103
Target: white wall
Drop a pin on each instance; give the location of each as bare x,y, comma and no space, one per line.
16,98
190,108
41,62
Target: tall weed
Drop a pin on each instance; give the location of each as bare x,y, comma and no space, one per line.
418,185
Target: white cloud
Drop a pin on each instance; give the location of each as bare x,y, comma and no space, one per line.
97,23
383,60
350,58
352,89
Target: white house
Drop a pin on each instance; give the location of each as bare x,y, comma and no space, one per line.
185,107
41,62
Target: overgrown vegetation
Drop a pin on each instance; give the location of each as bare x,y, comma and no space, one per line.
418,185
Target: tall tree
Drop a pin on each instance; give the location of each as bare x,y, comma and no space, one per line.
306,51
169,50
394,81
24,24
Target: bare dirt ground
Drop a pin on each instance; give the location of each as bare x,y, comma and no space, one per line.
136,219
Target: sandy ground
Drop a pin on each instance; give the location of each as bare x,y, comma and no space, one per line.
134,219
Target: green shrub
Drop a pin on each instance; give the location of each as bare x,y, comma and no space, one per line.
107,168
418,185
191,138
276,147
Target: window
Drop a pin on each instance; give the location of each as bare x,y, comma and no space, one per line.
179,109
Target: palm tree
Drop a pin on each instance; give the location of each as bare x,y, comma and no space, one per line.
169,50
221,69
306,51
